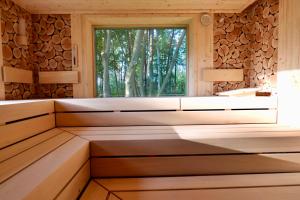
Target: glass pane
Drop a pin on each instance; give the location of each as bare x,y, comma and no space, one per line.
141,62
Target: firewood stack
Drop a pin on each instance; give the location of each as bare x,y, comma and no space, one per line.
248,41
53,51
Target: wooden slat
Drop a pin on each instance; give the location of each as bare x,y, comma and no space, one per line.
102,148
16,75
16,110
117,104
200,182
194,165
194,103
48,175
15,132
58,77
274,193
166,118
223,75
27,144
15,164
76,185
239,92
94,192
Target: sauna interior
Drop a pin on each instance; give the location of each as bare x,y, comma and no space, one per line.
150,100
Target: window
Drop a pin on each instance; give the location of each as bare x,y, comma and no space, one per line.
141,62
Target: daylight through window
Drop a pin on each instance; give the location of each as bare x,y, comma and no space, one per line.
141,62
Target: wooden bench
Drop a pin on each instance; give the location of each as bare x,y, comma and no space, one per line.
37,160
49,147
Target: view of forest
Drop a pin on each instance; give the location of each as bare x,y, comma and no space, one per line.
141,62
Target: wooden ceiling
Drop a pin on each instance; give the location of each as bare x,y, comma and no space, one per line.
132,6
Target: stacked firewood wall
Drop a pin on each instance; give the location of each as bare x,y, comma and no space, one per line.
16,53
248,41
52,51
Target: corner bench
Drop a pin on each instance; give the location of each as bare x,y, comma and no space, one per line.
169,147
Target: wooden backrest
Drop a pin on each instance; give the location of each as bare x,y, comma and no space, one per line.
165,111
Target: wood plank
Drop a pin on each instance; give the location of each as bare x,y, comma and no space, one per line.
223,75
195,165
94,192
136,147
200,182
16,110
113,197
15,132
16,75
116,104
194,103
17,163
76,185
274,193
133,6
27,144
58,77
239,92
166,118
48,175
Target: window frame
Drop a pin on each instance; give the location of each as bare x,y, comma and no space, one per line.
199,46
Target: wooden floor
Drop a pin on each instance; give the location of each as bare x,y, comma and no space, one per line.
282,186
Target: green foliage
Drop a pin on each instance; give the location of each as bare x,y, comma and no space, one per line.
158,48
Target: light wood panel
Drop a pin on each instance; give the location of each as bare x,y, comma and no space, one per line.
289,62
133,6
223,75
194,165
58,77
165,118
48,175
94,192
117,104
17,163
16,110
135,147
76,185
274,193
239,92
200,182
15,132
205,103
16,75
13,150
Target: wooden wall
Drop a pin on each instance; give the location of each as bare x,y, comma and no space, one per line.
52,51
289,62
248,41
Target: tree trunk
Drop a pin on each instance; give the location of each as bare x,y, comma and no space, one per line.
130,75
172,64
158,62
105,63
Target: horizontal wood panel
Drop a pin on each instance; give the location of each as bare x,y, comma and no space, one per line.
223,75
117,104
94,191
133,6
194,146
200,182
15,164
15,132
76,185
166,118
16,110
58,77
272,193
15,149
194,165
55,169
16,75
194,103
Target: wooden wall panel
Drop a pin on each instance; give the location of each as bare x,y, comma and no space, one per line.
223,75
15,75
58,77
194,165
